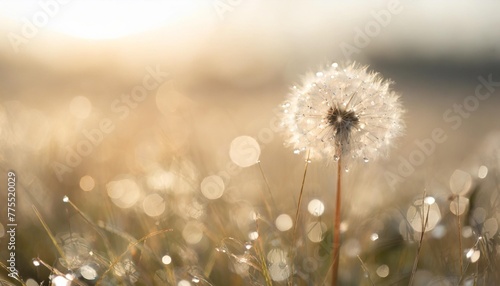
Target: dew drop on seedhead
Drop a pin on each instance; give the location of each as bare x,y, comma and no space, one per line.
196,280
65,199
336,158
296,151
374,236
366,160
346,169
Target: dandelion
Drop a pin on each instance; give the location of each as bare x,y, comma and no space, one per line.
341,114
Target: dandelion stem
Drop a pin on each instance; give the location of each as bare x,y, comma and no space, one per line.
365,269
49,233
275,206
132,245
424,227
260,253
59,273
297,215
336,230
95,227
459,237
16,277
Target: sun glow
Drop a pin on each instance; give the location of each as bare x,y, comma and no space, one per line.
98,20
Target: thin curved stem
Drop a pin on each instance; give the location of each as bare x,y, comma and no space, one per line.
336,229
297,216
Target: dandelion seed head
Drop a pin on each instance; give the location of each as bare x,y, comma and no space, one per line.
342,111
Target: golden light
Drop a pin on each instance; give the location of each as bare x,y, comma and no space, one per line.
98,20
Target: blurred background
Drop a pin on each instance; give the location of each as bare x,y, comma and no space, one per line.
151,115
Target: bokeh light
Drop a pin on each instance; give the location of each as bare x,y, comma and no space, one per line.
87,183
490,227
31,282
88,272
423,216
212,187
284,222
192,232
482,172
80,107
458,205
184,283
244,151
160,180
479,215
253,235
383,271
153,205
169,100
467,231
351,247
316,231
60,281
316,207
166,259
460,182
123,192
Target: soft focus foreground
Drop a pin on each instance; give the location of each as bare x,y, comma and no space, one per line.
147,149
